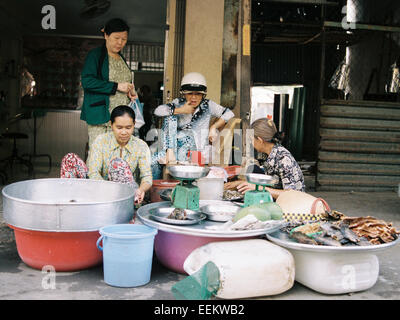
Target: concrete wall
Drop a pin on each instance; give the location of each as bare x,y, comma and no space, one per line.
203,42
169,50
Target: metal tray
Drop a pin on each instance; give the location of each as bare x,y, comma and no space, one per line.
199,229
282,239
261,179
220,213
188,172
161,214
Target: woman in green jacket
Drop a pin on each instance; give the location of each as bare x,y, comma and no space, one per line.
106,79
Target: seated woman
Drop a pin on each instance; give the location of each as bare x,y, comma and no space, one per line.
117,156
276,161
186,124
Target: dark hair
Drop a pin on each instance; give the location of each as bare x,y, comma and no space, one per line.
115,25
121,111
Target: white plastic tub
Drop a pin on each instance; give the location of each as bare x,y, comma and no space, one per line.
330,269
336,273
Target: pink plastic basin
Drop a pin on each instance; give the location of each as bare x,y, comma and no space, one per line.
172,249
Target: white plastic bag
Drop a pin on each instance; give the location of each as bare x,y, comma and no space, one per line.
139,120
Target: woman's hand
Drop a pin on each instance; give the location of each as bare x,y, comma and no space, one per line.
125,87
212,134
132,94
245,186
187,108
232,184
139,195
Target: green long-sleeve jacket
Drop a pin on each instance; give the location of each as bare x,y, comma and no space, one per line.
96,87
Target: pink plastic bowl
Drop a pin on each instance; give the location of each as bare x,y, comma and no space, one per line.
172,249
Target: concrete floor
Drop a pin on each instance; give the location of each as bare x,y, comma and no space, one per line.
19,281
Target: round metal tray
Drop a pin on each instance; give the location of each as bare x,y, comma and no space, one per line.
161,214
188,172
198,229
261,179
282,239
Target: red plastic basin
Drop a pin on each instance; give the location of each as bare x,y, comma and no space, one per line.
65,251
172,249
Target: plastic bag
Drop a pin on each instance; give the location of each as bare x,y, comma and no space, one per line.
218,172
201,285
139,120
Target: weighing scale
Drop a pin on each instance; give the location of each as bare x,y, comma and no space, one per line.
185,195
259,195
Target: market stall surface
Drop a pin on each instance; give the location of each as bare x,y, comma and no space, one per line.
19,281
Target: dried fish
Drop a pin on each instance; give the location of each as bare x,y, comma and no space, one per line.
302,238
349,234
376,231
325,233
327,241
177,214
332,231
232,195
309,228
289,225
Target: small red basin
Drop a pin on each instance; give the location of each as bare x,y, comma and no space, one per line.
65,251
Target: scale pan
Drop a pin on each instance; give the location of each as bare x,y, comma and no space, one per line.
261,179
188,172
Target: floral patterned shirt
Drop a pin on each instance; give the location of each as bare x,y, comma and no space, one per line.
118,72
281,164
105,148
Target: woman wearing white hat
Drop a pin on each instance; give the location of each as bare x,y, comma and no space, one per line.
186,124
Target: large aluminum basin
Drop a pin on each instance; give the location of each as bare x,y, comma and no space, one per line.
67,205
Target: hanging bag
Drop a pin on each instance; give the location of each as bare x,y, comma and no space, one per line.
139,120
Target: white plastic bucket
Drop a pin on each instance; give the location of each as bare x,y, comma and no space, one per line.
248,268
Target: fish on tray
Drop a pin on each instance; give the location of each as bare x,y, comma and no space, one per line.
302,238
326,241
331,230
327,233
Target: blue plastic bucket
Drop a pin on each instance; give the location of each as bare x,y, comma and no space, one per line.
127,254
